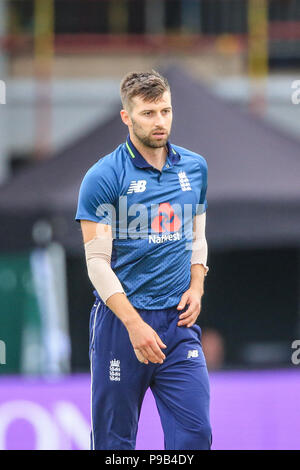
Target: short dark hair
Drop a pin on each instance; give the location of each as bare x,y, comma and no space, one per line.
148,85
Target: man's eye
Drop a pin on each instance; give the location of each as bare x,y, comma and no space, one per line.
148,113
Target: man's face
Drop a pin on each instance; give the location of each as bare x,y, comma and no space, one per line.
151,122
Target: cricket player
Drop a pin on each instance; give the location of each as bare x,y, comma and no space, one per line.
142,211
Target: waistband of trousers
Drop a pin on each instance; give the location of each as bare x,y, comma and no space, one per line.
145,311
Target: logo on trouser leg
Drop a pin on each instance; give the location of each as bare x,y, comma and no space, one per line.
193,353
115,370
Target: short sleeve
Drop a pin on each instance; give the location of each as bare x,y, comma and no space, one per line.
202,205
98,194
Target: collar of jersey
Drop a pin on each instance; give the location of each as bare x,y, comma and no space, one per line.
173,156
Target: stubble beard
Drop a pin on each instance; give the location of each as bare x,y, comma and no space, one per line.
146,140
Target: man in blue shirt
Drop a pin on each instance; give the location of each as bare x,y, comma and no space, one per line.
142,211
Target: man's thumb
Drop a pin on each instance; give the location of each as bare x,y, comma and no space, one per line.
159,342
182,302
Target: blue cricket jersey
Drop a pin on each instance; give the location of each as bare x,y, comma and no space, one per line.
151,213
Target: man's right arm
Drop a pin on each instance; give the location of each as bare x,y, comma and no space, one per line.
97,240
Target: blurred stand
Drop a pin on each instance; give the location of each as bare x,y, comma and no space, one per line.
44,52
118,17
64,67
258,54
48,266
155,17
4,138
34,309
191,16
102,39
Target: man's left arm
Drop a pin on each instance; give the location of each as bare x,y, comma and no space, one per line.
199,269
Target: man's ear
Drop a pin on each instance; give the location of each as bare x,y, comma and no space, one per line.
125,117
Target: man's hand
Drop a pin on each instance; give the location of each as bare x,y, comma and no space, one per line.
146,342
192,297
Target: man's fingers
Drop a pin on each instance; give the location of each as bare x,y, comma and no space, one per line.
159,342
157,352
188,321
150,354
140,356
153,352
183,301
190,316
149,347
186,314
185,321
193,308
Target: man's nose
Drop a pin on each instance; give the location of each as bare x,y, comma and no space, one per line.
160,120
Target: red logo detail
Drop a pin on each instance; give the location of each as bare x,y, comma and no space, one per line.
166,220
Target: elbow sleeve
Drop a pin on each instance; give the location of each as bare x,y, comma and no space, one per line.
199,245
98,257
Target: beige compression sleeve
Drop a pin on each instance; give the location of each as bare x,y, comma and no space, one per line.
98,257
199,245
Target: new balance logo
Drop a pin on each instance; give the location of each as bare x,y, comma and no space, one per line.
193,353
137,186
184,181
114,370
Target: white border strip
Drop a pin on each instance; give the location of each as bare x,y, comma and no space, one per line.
92,341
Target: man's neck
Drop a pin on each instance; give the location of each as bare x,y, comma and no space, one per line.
156,157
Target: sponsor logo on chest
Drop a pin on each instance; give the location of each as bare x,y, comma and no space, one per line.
137,186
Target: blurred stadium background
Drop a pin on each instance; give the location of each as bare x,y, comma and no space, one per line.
234,69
